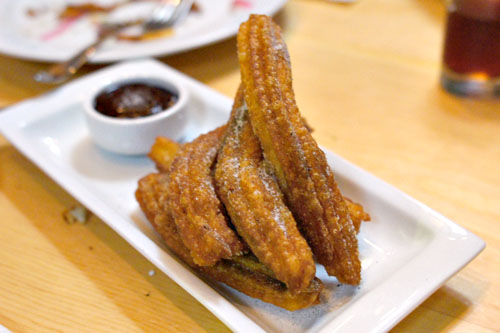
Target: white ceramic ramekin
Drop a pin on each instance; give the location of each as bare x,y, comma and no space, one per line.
135,136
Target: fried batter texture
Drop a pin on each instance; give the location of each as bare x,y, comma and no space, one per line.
194,205
261,286
163,152
256,206
357,213
245,273
150,194
298,163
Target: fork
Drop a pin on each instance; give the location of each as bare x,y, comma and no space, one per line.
163,16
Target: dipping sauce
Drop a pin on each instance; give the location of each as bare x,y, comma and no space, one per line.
134,100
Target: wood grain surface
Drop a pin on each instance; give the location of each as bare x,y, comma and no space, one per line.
366,78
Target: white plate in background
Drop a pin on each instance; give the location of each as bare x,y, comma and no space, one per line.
24,35
407,250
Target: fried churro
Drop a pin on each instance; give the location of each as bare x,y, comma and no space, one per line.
259,183
298,163
194,205
261,286
357,212
245,273
150,194
256,206
163,152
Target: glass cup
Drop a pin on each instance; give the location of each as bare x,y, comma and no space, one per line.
471,57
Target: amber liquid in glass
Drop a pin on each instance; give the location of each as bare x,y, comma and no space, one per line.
472,51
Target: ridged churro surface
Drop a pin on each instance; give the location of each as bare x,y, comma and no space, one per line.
150,193
194,205
245,273
256,206
298,163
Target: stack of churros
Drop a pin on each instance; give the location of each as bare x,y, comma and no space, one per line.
254,203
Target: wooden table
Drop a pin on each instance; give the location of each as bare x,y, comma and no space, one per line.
366,78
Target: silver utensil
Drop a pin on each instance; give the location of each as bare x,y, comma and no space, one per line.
163,16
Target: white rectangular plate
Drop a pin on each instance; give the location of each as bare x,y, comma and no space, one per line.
407,250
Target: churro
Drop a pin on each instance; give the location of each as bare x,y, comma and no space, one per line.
256,206
298,163
245,273
194,205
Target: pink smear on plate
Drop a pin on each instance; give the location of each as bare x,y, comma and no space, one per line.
242,3
64,25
